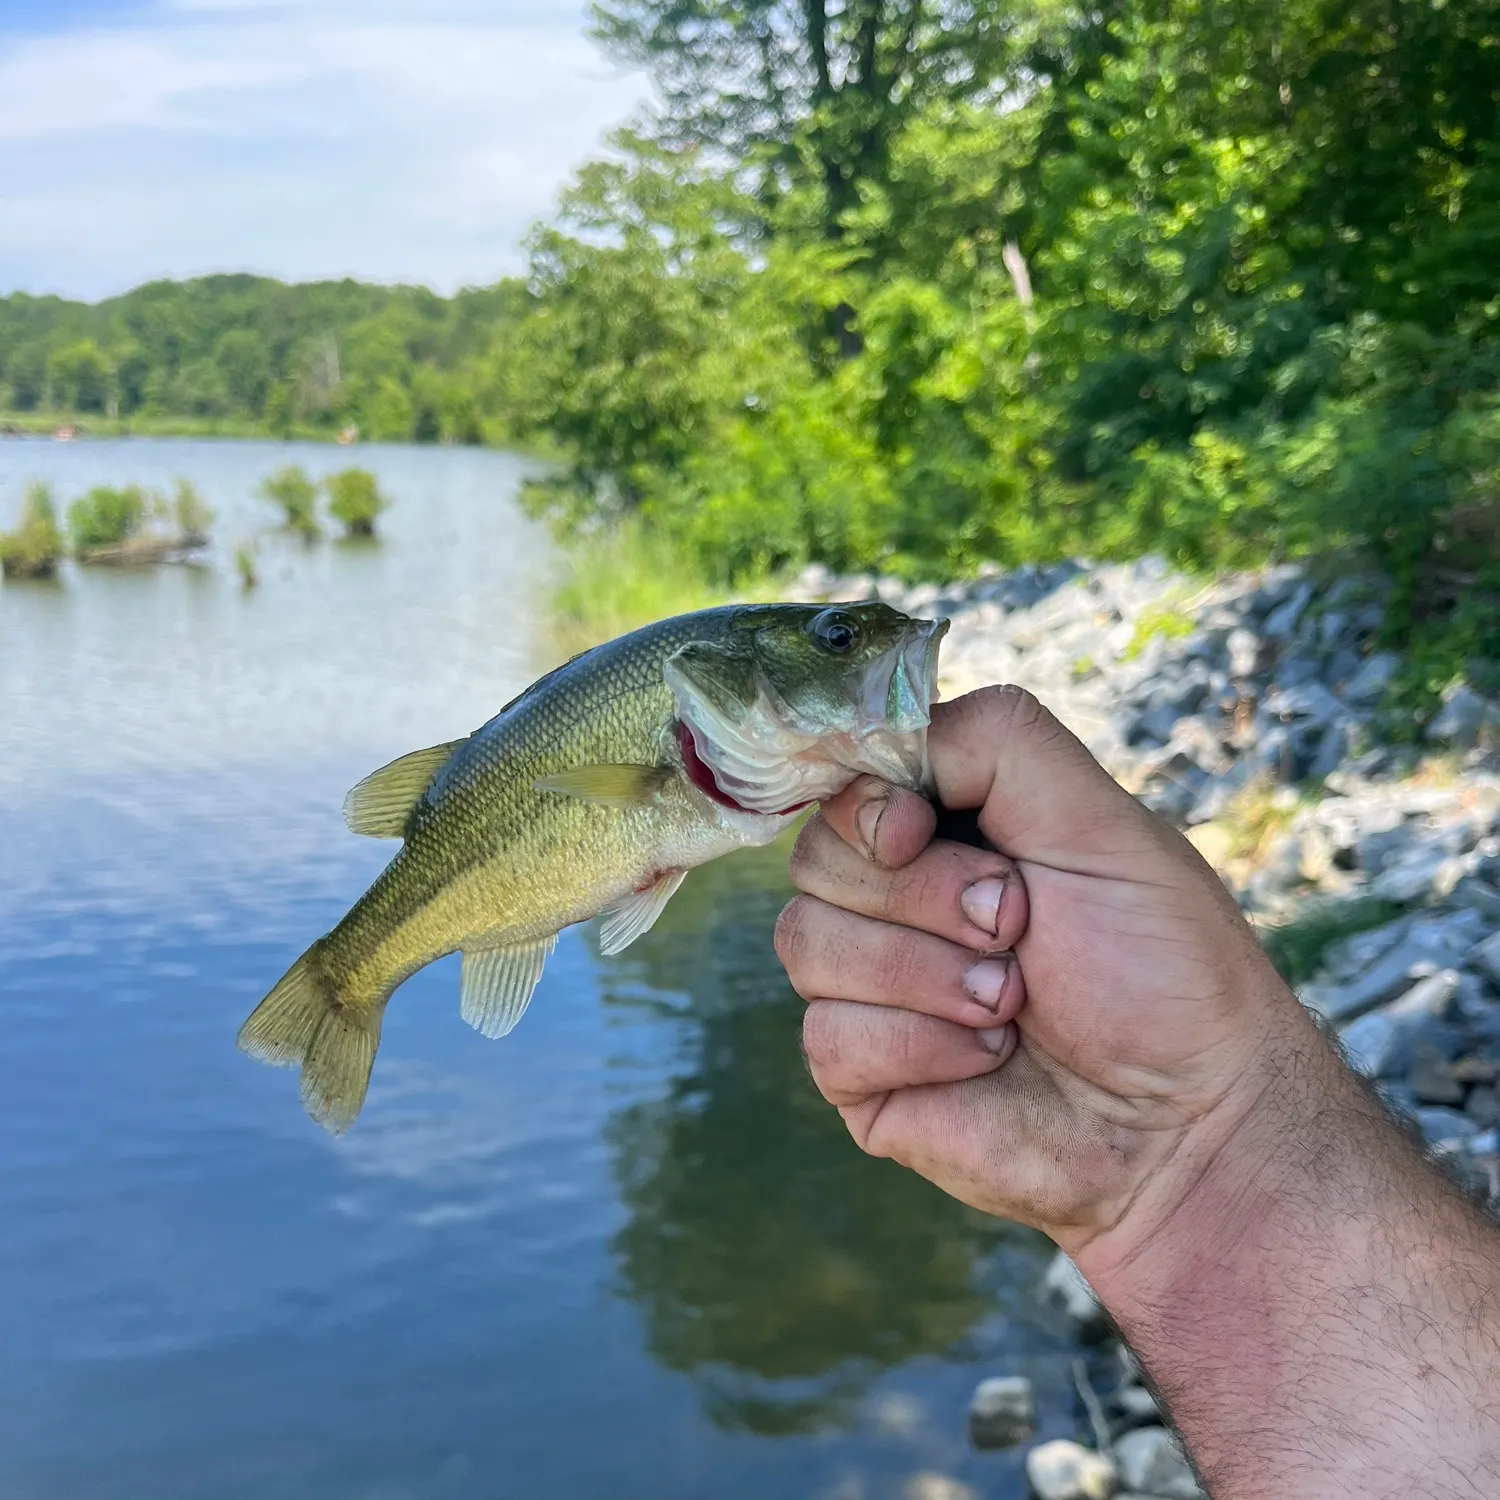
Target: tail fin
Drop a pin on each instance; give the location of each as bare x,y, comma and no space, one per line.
306,1020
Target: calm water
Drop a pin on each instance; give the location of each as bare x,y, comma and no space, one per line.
625,1252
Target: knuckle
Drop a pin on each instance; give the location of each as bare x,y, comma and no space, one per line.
819,1037
809,854
905,963
790,937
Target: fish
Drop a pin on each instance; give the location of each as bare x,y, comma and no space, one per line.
593,793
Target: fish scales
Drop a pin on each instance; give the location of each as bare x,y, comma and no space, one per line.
592,792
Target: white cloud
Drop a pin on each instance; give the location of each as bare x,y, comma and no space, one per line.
390,140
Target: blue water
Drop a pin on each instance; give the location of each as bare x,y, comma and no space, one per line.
625,1252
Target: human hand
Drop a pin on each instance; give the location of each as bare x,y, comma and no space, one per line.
1138,1019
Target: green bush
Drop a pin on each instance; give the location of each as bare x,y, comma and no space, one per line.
354,500
35,547
105,517
293,490
191,513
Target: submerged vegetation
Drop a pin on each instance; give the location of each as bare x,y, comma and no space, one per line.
35,547
355,501
106,517
294,491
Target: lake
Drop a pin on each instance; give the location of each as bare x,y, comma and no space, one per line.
624,1252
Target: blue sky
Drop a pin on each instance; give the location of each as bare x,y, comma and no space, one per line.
396,140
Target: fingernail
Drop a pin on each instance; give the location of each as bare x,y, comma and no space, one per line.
867,819
996,1039
981,903
985,981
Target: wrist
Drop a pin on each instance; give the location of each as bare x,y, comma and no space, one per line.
1316,1305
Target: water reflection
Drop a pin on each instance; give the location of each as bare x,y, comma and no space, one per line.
772,1260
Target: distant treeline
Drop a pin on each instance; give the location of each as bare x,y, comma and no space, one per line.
399,363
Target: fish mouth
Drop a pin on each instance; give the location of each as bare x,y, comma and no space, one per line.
770,762
899,690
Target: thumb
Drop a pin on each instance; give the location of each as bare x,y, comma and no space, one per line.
1041,795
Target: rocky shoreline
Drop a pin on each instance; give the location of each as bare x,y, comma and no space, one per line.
1249,713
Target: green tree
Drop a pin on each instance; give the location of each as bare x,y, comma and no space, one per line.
244,367
79,376
355,501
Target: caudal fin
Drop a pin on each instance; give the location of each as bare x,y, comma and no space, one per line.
305,1020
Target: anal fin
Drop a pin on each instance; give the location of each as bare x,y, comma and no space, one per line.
497,983
637,913
380,805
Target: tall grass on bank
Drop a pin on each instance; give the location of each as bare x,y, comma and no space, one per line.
35,547
622,577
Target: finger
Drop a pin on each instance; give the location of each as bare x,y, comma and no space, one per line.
887,824
832,954
1041,795
855,1051
970,896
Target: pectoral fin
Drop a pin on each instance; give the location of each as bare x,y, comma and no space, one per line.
380,805
637,913
609,785
497,984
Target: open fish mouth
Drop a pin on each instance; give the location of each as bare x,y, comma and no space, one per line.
773,760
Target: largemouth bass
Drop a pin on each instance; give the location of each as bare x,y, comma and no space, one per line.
594,792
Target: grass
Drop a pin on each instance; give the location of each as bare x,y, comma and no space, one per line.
191,513
294,492
1157,622
354,500
246,566
35,547
1297,947
621,579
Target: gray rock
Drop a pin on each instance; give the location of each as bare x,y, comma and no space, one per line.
1151,1461
1426,946
1064,1286
1479,895
1411,878
1463,717
1002,1411
1137,1403
1061,1470
1378,1044
1431,997
1440,1126
1433,1080
1483,1106
1221,791
1487,957
1282,620
1244,652
1373,677
1331,752
1310,703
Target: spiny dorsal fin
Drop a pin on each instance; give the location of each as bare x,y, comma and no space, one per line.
637,913
381,804
497,983
609,785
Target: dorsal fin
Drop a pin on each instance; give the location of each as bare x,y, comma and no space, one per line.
381,804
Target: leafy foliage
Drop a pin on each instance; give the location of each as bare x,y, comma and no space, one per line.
35,547
294,491
355,501
105,517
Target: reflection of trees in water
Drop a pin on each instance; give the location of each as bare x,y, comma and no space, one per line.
769,1257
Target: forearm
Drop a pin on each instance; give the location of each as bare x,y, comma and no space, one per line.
1318,1306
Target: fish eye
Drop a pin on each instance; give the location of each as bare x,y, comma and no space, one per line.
834,630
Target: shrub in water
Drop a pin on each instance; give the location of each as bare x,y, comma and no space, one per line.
354,500
297,495
35,547
191,513
106,517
